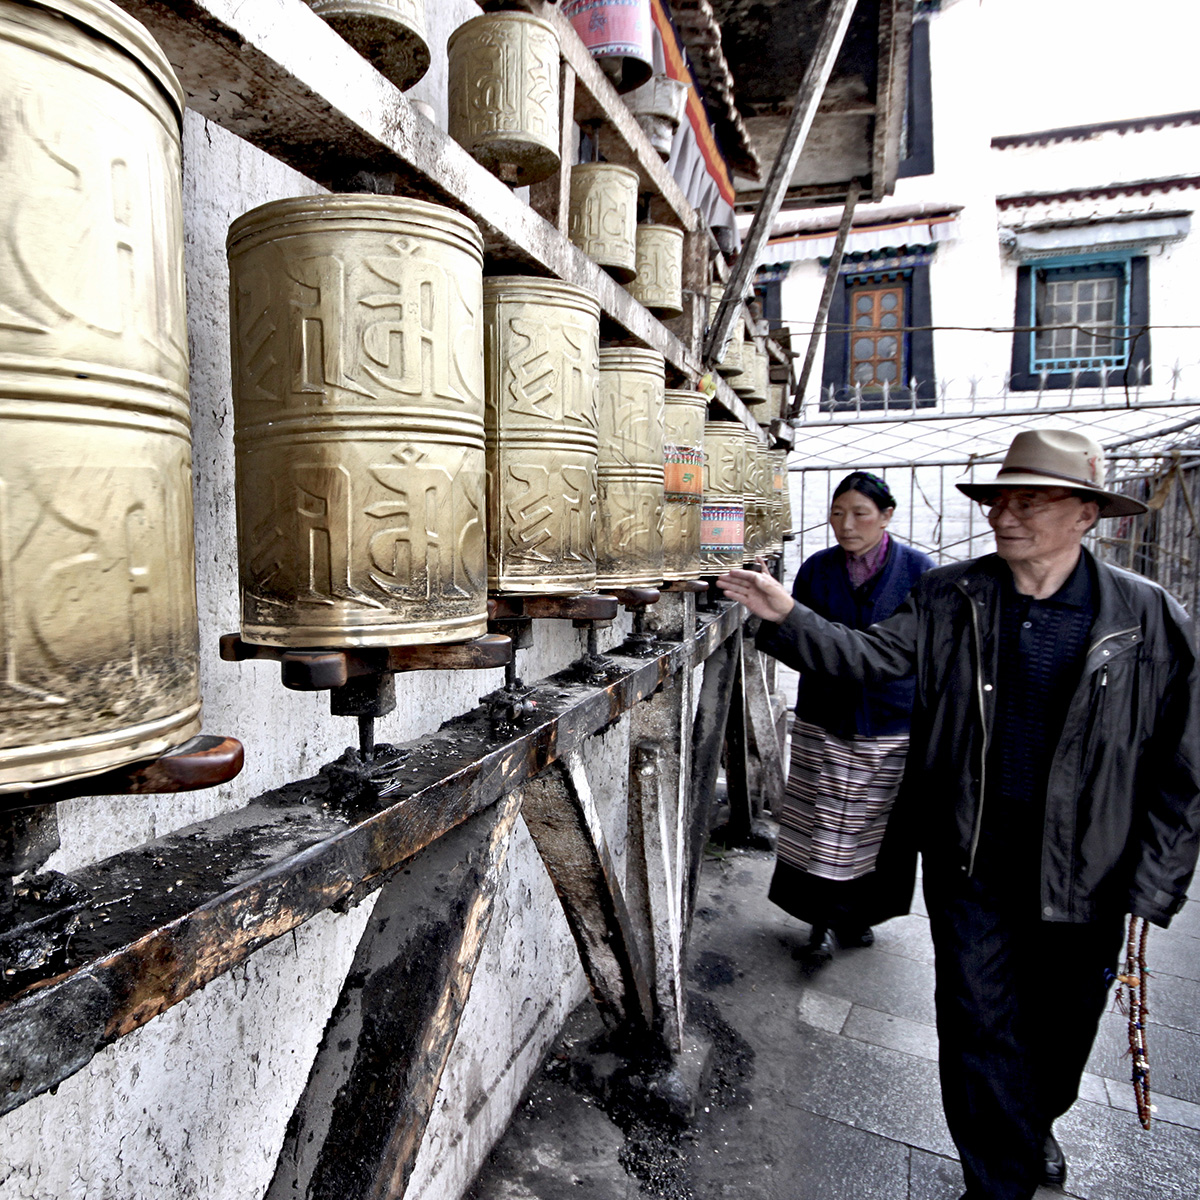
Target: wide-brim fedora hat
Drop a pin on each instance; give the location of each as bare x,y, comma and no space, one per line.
1056,458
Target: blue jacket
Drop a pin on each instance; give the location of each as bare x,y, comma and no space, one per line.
840,706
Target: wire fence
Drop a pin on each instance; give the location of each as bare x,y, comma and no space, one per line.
1152,453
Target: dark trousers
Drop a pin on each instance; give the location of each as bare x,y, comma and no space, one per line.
1018,1003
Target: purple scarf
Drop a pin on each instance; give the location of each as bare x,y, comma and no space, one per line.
863,567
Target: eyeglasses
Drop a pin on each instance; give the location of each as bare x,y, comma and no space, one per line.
1022,505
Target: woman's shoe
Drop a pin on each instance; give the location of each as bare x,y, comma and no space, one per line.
821,944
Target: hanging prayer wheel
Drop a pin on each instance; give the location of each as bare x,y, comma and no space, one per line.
629,528
659,280
504,108
619,35
602,220
98,642
357,331
389,34
730,363
541,350
658,107
683,479
723,513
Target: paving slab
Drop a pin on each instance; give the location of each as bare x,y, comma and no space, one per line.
885,982
891,1032
1163,1108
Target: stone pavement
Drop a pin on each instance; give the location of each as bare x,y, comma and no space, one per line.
827,1085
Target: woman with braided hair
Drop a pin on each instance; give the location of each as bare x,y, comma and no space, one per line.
849,739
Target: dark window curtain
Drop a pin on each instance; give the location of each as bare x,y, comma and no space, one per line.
919,366
1025,380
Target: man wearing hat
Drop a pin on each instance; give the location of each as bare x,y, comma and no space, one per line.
1052,786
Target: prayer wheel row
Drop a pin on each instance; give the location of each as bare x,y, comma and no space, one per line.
394,418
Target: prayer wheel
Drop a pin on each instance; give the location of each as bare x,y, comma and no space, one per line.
766,499
602,219
98,640
723,513
777,403
730,363
504,107
659,260
541,349
620,36
753,536
658,107
629,529
780,507
683,479
357,331
751,385
389,34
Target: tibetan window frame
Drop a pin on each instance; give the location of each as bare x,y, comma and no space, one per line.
918,338
1030,374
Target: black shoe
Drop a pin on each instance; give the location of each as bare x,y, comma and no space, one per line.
852,939
821,944
1054,1164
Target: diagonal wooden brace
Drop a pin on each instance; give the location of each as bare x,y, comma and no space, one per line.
561,815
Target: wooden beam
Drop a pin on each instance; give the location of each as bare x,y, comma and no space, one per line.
808,99
390,1034
821,322
708,737
156,923
765,750
561,816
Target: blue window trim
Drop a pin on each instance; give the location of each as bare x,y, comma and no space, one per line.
1023,378
1099,264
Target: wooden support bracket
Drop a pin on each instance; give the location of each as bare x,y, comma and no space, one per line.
561,816
317,670
391,1032
204,761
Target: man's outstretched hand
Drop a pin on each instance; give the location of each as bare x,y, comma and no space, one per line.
759,592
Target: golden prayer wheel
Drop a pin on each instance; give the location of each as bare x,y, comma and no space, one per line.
776,404
98,638
683,479
659,280
603,216
541,355
357,331
629,529
730,363
753,539
751,385
766,499
504,72
723,513
780,505
389,34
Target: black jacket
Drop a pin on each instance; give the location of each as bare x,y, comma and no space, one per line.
1122,820
845,707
